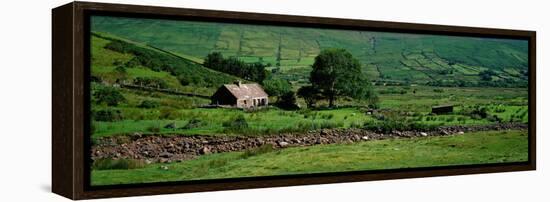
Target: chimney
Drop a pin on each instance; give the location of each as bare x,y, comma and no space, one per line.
238,83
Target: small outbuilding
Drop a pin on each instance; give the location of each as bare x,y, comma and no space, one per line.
442,109
240,95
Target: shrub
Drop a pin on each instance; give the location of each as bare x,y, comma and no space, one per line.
450,119
500,109
108,95
494,118
169,113
95,79
108,115
479,112
148,104
151,82
120,69
356,125
287,101
194,123
153,129
117,164
327,116
235,124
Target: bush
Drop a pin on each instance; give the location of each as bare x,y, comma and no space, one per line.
479,112
148,104
494,118
235,124
117,164
194,123
108,95
327,116
169,113
108,115
288,101
151,82
500,109
153,129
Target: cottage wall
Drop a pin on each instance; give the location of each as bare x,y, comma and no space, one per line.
223,97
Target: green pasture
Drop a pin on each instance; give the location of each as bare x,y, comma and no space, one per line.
467,149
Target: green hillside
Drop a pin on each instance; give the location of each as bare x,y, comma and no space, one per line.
422,59
116,59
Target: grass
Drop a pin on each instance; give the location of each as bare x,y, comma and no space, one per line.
471,148
507,104
272,120
421,56
410,60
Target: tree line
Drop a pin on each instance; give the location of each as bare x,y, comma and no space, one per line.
187,72
335,73
232,65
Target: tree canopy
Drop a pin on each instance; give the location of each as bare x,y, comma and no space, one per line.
337,73
277,87
232,65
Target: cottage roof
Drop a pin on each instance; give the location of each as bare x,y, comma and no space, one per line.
245,91
443,106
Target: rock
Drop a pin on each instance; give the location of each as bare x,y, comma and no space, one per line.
170,125
137,135
204,150
164,167
325,132
365,137
460,132
163,160
148,161
166,155
282,144
424,134
204,142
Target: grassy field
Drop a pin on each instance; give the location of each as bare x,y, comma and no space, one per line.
471,148
152,81
412,102
387,56
507,104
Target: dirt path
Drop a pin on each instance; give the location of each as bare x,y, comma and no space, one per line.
155,148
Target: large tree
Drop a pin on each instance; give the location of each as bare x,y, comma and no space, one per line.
277,87
336,73
310,95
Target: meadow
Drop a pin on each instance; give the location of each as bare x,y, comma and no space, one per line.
468,149
147,83
392,57
417,107
508,104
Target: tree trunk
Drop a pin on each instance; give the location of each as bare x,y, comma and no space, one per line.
331,101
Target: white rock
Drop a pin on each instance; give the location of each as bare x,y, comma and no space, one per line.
283,144
424,134
460,133
365,137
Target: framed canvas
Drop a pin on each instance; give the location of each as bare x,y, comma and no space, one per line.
155,100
